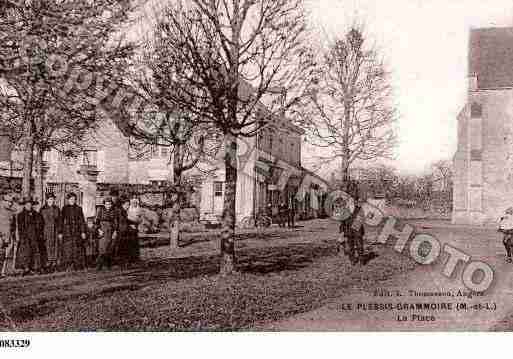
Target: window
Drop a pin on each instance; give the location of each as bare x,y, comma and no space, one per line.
218,189
90,158
164,152
476,110
46,156
270,141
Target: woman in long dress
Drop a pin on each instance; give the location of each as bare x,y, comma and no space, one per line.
51,215
73,235
134,218
127,234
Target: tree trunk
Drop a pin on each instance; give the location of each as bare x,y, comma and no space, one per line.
228,219
38,181
28,158
345,144
230,156
174,225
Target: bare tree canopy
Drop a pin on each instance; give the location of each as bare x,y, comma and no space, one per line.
351,113
59,59
229,57
238,65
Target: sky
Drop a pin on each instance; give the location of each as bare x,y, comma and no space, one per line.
425,44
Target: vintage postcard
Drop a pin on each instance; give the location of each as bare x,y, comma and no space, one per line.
255,165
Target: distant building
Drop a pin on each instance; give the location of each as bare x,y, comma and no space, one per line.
483,162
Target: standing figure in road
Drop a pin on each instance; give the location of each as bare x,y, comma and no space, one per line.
283,213
51,216
73,235
107,224
291,213
30,234
269,213
352,227
353,230
7,234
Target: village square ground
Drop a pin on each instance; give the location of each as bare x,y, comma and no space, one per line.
289,280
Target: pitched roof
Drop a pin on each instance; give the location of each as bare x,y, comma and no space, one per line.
491,57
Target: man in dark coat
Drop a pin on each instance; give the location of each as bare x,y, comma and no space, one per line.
30,233
353,228
51,216
283,213
7,233
291,212
72,235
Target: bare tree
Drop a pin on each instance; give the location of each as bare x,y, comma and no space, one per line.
167,124
351,113
442,172
51,52
228,58
166,127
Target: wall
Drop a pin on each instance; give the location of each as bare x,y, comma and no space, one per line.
112,157
284,144
483,181
112,154
497,151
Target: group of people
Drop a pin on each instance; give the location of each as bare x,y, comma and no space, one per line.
285,214
53,239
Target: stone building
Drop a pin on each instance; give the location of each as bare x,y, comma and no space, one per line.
105,161
483,162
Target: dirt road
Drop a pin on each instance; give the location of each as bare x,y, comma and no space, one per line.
350,313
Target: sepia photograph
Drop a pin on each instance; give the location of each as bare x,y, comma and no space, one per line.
255,166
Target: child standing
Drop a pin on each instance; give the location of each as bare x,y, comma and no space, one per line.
91,243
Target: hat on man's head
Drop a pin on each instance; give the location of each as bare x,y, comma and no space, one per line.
124,199
108,199
50,195
28,199
71,194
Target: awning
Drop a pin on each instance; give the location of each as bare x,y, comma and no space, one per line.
263,167
268,170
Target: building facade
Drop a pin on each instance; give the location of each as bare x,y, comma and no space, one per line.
483,162
269,173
